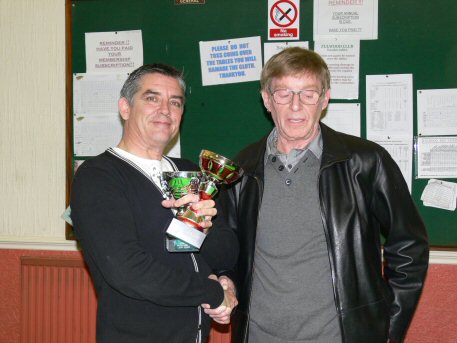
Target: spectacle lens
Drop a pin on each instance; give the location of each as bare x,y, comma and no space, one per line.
306,96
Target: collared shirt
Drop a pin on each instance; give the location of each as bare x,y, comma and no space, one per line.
295,155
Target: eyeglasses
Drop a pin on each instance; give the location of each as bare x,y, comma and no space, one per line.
306,96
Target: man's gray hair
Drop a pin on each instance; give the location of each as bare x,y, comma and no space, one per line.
132,84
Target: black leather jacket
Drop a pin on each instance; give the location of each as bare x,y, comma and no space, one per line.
362,195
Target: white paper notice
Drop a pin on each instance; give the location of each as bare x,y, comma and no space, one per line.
96,93
389,105
231,61
117,52
96,122
270,49
357,19
436,157
440,194
94,133
283,19
344,118
342,58
437,112
401,150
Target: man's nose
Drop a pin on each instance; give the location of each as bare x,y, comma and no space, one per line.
296,103
164,107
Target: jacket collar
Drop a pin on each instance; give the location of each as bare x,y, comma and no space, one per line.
253,162
334,148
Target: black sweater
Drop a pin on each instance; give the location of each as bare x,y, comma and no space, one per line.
145,293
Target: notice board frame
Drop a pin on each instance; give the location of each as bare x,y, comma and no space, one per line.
421,40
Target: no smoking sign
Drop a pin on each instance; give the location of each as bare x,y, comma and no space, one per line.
283,19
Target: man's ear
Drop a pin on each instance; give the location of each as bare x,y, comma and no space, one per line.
124,108
326,99
266,99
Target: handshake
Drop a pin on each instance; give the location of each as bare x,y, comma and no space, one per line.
222,313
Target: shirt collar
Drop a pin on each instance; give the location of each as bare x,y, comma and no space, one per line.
315,146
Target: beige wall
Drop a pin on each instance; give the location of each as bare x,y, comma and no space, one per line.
32,122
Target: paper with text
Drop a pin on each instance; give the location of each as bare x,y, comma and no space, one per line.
113,52
342,58
437,112
230,61
356,19
437,157
270,49
389,105
344,118
440,194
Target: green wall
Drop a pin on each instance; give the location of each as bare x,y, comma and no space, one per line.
414,36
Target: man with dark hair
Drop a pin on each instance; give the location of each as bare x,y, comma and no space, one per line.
145,293
309,212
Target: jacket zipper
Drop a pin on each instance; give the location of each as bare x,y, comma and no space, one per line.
330,255
199,327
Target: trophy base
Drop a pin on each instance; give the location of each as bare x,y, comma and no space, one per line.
177,245
185,233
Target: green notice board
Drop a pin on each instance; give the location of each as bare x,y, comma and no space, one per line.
414,37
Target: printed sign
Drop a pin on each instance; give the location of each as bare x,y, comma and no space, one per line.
230,61
283,19
113,52
352,19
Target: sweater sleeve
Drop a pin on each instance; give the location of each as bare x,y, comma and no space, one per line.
105,225
220,248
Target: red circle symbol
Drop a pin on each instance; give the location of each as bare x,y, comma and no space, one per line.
281,15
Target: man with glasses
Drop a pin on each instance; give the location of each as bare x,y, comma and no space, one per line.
309,213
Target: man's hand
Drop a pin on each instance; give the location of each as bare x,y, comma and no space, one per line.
201,207
222,313
227,284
